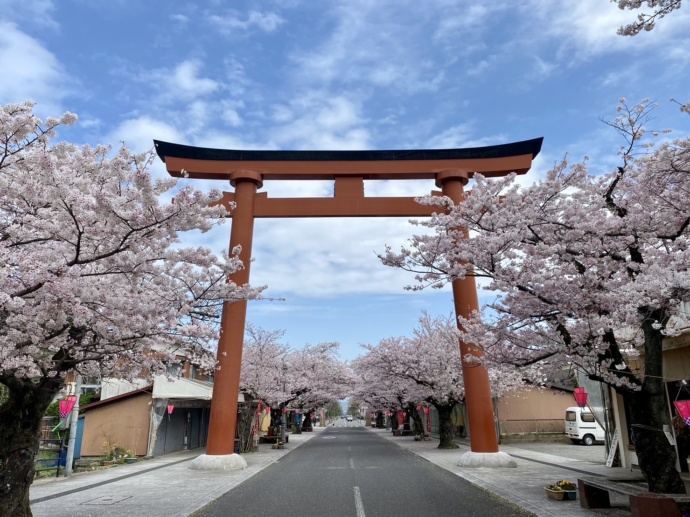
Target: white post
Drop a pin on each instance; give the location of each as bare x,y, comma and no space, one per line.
73,430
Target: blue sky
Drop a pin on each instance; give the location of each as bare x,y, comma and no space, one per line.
349,74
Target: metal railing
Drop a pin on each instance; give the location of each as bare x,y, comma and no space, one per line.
51,449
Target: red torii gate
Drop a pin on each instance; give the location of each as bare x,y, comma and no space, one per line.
246,170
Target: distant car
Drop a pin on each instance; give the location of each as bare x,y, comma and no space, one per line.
349,418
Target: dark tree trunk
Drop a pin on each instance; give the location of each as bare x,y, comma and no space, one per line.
307,423
445,424
395,421
274,430
418,424
649,415
296,426
20,428
245,424
380,420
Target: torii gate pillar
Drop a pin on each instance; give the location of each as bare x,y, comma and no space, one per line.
220,453
483,440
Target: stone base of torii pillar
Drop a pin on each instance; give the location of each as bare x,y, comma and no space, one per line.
219,462
487,459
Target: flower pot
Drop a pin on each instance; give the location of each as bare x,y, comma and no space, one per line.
130,460
561,495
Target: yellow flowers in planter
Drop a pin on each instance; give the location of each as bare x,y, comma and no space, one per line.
563,484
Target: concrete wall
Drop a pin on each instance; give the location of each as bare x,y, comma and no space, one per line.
531,412
676,360
125,423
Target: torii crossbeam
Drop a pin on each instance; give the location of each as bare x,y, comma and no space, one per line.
247,170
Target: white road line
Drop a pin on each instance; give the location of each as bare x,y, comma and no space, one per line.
352,464
358,503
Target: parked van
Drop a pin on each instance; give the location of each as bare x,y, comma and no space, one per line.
582,427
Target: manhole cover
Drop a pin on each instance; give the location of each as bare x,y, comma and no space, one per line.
107,500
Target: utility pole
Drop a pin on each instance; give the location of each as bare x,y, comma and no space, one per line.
73,430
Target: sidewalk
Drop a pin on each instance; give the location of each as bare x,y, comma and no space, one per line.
164,487
524,485
159,487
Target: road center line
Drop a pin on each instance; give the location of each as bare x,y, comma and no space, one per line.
358,503
352,464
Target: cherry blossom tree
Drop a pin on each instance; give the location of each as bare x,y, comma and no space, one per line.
381,392
646,22
263,359
318,377
303,379
427,365
592,270
262,376
94,278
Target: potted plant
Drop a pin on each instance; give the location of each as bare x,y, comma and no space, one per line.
562,490
130,457
108,450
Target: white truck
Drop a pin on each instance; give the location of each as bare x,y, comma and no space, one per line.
582,427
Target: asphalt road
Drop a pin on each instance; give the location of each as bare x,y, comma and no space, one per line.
349,472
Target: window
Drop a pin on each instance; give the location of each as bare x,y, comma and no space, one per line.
570,416
587,417
173,369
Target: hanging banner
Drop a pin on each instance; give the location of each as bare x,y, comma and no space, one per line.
257,419
66,405
428,419
683,408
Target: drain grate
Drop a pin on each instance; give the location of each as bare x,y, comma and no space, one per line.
107,500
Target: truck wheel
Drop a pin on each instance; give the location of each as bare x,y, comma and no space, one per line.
588,439
575,441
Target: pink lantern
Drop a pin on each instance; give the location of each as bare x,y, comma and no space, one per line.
66,405
683,408
426,410
581,397
170,409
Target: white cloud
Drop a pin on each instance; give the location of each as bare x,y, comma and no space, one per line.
320,121
181,18
375,43
587,28
328,256
452,137
187,81
31,72
543,69
36,12
236,79
183,83
235,23
138,135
